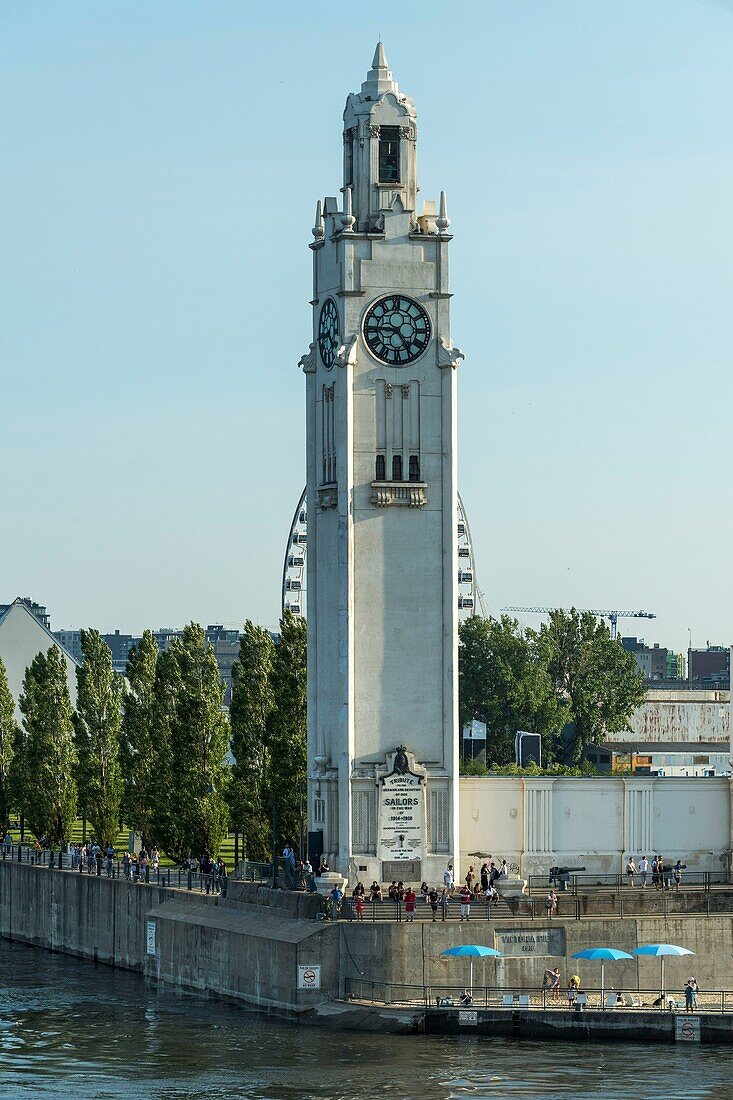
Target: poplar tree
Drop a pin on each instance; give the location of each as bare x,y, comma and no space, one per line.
252,704
46,753
195,738
97,725
287,735
139,751
8,734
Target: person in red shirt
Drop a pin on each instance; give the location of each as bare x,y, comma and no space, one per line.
410,900
465,897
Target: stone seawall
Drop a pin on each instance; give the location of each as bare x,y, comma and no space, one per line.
411,953
248,949
250,946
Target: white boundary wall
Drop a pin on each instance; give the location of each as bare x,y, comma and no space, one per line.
596,822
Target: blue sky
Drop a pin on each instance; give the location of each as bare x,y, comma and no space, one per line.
161,166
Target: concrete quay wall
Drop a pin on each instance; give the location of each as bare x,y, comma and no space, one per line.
84,915
251,949
210,945
410,954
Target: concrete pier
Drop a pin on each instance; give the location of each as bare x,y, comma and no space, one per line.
266,948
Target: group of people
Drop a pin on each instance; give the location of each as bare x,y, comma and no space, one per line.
662,874
436,898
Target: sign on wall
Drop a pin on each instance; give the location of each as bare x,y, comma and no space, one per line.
309,977
687,1029
150,937
518,943
401,811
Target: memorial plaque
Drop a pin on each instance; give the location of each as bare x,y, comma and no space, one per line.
409,870
401,815
518,943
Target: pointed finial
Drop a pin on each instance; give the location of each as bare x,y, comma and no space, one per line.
347,218
442,221
319,228
380,57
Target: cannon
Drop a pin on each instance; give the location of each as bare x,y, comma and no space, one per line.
560,876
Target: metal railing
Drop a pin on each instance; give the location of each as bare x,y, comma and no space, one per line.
619,883
526,908
249,871
587,998
180,878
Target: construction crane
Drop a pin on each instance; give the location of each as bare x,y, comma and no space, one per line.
612,616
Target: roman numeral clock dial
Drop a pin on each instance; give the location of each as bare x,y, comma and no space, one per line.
396,330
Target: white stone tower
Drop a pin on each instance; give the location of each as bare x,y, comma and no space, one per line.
382,555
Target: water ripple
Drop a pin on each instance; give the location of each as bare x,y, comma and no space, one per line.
74,1031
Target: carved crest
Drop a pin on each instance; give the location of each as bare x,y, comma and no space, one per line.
448,356
307,362
346,354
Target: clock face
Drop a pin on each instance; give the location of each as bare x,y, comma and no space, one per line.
396,329
328,333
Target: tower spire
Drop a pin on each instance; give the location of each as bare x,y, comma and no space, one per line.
380,57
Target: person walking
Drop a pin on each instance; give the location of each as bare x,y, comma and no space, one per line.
630,871
470,876
677,873
449,880
643,871
465,898
410,900
433,902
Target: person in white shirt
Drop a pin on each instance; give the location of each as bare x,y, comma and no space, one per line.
643,871
448,880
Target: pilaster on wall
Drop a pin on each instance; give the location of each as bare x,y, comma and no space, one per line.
638,817
539,854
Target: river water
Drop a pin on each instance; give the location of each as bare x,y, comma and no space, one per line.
69,1029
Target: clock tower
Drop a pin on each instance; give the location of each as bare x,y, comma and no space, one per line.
382,509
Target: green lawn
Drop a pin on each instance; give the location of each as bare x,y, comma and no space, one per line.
226,849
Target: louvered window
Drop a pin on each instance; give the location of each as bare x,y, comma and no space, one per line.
438,826
364,823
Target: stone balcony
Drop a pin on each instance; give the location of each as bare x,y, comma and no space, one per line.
406,494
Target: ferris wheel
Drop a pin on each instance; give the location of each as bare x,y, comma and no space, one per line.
294,593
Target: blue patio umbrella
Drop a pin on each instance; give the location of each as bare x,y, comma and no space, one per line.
601,953
471,951
659,950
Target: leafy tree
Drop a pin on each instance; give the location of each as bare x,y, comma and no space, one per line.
253,701
8,733
592,674
194,734
97,724
287,732
45,751
503,682
139,748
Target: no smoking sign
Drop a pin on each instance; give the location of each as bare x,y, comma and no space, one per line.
309,977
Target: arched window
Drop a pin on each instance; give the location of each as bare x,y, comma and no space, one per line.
397,467
414,468
380,473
